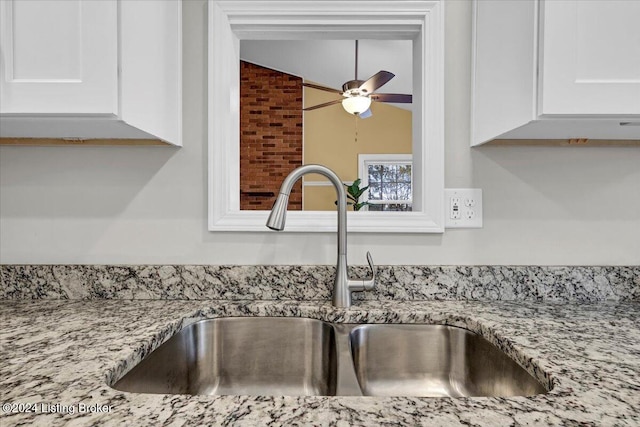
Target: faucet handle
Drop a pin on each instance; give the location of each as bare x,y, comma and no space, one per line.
370,283
364,284
371,265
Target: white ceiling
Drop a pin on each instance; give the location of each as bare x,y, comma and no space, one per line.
332,62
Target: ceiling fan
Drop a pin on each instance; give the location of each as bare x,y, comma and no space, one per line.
358,94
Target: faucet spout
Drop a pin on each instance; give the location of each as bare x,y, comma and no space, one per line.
278,213
343,286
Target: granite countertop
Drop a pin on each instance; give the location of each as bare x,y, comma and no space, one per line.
65,352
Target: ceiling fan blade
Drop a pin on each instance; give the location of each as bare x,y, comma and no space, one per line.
365,114
392,97
326,104
376,81
326,89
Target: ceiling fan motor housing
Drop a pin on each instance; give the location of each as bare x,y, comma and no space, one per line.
352,87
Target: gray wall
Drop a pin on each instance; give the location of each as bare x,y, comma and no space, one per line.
543,205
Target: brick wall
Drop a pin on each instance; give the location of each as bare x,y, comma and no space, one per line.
270,135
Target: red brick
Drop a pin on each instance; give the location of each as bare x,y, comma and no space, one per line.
270,123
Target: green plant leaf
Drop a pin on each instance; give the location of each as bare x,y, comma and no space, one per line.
359,206
353,193
361,191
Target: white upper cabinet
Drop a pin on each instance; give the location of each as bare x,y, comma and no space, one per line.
591,62
59,57
555,69
91,69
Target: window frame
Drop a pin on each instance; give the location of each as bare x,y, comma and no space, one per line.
233,20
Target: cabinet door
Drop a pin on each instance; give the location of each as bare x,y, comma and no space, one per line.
590,57
58,57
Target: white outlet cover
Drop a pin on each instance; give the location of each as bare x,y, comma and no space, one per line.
469,202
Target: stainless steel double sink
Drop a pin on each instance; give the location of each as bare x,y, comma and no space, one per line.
285,356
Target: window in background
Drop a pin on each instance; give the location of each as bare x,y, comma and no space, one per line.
389,179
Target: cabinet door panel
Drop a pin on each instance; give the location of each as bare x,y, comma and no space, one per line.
58,57
590,57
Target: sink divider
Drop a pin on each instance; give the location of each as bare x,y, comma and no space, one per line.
346,379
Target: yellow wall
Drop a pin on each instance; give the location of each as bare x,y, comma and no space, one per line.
334,138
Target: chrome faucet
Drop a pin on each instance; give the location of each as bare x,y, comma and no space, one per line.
342,285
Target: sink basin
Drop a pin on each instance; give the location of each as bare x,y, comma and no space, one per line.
286,356
242,355
433,361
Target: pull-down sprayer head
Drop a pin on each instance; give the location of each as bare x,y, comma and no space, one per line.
278,214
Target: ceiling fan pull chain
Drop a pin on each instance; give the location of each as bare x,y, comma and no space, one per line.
355,116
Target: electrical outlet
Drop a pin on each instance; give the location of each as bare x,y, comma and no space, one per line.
454,208
464,207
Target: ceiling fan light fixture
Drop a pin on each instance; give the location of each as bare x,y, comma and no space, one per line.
356,104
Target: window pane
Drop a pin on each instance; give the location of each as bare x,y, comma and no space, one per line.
374,191
403,207
390,207
390,181
404,173
399,207
389,173
375,173
404,191
388,191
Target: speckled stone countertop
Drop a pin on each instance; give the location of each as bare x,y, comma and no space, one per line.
580,284
66,352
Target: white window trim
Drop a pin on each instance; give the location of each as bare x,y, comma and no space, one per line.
419,20
363,172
